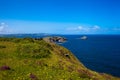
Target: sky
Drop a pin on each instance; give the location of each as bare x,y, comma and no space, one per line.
60,16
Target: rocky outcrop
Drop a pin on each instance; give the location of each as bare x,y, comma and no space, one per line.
55,39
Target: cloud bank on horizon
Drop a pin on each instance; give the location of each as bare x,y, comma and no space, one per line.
84,28
14,27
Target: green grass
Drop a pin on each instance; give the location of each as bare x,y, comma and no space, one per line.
30,59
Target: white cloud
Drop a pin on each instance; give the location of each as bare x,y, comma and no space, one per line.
84,28
3,28
2,23
116,29
96,27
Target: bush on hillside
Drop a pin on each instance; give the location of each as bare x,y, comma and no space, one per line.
2,46
32,51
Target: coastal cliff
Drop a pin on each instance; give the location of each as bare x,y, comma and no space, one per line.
38,59
55,39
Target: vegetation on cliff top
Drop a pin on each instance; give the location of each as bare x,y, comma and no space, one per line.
36,59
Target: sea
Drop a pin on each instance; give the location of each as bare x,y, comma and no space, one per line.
99,53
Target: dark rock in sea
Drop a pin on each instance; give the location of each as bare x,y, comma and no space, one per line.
83,37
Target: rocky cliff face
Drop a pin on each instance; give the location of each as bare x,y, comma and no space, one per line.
34,59
55,39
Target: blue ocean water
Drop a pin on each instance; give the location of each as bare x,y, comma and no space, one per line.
100,53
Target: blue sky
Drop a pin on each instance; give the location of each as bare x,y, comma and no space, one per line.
60,16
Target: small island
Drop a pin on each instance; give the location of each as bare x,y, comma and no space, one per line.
83,37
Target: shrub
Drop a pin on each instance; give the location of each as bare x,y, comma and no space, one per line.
2,46
28,39
4,68
32,51
16,40
33,77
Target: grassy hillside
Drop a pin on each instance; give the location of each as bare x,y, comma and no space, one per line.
30,59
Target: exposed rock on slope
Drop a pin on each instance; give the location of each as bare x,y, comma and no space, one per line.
53,39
